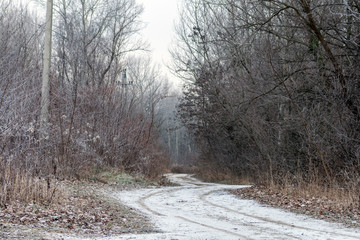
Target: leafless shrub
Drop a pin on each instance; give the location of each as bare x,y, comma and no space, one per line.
98,118
271,87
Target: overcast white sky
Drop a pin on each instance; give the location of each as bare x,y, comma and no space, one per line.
159,15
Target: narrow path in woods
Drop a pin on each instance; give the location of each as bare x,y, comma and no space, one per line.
198,210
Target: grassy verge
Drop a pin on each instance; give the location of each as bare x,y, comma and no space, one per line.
329,203
81,207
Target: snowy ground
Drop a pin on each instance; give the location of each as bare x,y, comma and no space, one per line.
198,210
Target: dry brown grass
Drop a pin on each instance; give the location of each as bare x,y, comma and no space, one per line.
214,173
335,202
21,186
79,207
335,196
330,203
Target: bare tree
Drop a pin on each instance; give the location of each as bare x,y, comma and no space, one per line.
45,90
85,116
269,85
20,74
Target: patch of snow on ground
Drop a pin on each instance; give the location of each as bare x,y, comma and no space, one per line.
198,210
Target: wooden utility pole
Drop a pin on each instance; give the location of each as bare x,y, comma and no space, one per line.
45,90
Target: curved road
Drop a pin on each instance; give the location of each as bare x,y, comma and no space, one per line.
198,210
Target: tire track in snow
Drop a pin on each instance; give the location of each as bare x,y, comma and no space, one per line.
142,203
186,211
191,180
196,185
215,228
194,181
203,198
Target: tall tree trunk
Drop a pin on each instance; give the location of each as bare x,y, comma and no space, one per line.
45,90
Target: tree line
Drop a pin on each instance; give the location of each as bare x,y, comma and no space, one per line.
272,87
104,97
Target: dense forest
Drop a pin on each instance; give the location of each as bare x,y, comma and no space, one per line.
271,94
272,88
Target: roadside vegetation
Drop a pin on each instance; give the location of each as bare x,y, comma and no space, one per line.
272,94
103,114
103,106
331,204
85,208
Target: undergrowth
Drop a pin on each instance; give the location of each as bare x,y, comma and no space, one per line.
17,185
337,195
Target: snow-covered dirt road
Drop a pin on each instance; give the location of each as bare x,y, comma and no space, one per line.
198,210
